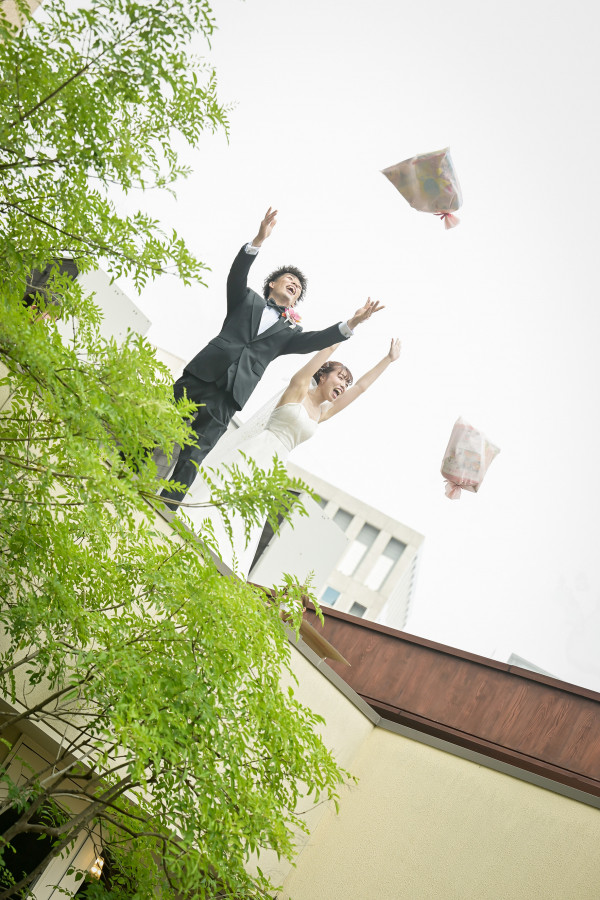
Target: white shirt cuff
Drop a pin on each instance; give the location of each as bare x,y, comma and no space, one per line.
251,249
345,329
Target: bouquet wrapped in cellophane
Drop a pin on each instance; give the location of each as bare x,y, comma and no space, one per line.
429,183
466,460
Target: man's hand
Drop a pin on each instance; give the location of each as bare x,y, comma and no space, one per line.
364,313
266,227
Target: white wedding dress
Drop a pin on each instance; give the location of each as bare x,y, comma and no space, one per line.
286,427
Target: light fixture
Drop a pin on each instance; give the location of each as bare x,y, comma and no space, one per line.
96,868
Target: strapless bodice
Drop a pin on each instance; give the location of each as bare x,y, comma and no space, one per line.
292,424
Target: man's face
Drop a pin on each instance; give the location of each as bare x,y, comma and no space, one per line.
285,290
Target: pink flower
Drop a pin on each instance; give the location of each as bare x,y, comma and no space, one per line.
291,315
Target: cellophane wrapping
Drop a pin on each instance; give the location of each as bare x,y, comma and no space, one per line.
467,458
429,183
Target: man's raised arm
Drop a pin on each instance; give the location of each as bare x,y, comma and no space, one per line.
364,313
237,280
266,227
309,341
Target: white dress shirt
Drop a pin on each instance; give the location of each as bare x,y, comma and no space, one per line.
269,316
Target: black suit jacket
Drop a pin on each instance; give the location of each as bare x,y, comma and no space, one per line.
238,356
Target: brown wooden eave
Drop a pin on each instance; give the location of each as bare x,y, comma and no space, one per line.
533,722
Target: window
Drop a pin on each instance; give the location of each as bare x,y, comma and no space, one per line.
357,550
329,596
27,849
385,564
37,281
323,501
357,610
342,519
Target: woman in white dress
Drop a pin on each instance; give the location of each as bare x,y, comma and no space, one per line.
319,390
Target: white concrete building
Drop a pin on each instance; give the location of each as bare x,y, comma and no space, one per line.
366,564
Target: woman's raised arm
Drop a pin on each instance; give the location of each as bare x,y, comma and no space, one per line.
299,384
364,382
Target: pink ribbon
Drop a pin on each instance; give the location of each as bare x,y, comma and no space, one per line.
453,491
450,220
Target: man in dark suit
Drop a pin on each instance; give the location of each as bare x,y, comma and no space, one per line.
256,331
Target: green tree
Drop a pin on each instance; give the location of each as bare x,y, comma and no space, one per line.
92,98
161,679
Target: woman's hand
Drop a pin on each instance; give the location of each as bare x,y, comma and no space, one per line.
394,352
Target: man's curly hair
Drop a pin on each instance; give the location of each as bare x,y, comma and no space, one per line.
286,270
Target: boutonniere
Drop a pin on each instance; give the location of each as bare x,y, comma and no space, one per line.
291,316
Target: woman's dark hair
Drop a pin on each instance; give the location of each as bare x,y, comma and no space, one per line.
330,366
286,270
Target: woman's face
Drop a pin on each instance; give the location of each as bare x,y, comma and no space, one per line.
334,384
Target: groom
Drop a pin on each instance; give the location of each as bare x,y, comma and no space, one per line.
256,331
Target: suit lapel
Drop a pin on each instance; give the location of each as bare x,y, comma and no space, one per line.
279,325
257,311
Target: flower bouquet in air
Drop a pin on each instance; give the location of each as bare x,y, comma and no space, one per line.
429,183
467,459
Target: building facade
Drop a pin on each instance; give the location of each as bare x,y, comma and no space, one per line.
373,574
477,780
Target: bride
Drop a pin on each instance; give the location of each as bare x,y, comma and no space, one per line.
322,388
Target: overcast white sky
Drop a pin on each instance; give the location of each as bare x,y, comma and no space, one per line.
499,318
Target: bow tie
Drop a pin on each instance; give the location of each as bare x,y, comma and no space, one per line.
278,309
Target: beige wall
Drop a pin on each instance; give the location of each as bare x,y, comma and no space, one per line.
4,390
345,731
11,10
425,824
